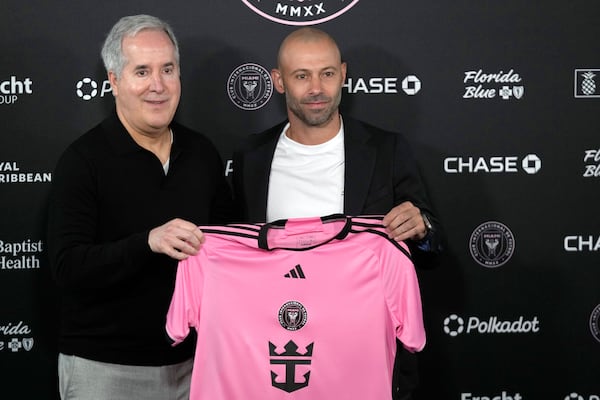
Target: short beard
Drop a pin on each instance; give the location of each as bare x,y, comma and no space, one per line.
314,120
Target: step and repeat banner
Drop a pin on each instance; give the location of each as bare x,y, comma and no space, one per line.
499,100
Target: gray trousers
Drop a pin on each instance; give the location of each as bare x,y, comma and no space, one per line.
83,379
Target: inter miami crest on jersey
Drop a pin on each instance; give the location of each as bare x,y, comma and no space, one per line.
292,315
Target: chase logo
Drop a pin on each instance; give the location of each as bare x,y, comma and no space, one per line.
530,164
586,83
299,12
411,85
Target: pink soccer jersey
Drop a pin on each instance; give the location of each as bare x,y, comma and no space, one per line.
306,308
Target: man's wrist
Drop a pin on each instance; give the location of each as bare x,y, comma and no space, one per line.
425,242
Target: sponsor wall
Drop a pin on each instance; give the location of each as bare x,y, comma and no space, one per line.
500,101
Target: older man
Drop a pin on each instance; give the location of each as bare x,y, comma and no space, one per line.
126,201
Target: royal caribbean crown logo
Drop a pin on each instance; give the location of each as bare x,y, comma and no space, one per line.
291,360
300,12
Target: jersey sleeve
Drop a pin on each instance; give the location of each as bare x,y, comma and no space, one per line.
186,301
403,296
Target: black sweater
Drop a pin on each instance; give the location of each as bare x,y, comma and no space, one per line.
107,194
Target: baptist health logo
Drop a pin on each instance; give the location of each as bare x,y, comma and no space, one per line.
87,88
482,85
455,325
299,12
12,88
586,83
22,255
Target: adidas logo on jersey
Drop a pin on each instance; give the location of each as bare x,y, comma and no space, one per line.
296,273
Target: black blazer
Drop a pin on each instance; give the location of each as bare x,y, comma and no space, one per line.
380,173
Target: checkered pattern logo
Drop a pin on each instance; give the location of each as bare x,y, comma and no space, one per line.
587,82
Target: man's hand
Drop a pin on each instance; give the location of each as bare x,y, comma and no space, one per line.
178,239
405,222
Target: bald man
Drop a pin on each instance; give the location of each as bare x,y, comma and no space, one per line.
317,163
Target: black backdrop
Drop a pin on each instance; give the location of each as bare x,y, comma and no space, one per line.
499,99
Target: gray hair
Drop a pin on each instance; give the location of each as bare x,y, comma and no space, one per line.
112,50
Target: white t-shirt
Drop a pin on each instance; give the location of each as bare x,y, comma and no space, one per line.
306,180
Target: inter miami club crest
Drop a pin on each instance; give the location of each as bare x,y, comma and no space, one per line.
292,315
492,244
595,323
250,86
300,12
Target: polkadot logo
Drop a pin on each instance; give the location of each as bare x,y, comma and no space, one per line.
454,325
87,89
574,396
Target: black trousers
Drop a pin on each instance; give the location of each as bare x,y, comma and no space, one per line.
406,375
